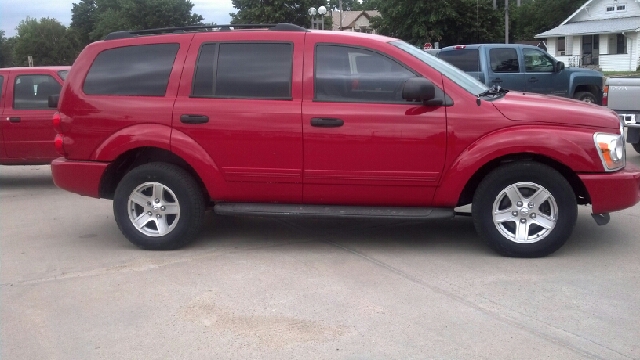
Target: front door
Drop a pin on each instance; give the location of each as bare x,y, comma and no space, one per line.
363,144
243,108
540,72
505,69
26,121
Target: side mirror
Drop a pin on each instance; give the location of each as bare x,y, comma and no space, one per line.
559,66
53,101
418,89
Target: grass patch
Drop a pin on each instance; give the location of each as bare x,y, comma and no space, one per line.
622,73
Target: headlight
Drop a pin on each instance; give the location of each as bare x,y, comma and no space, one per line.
611,149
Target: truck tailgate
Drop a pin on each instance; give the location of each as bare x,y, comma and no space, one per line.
624,94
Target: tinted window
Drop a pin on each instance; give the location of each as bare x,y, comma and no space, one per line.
347,74
244,70
63,74
463,59
504,60
132,70
537,61
31,92
1,82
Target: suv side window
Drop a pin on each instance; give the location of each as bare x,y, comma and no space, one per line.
244,71
504,60
31,92
350,74
132,70
537,61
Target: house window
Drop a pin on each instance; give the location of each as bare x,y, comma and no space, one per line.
561,47
621,44
611,8
621,8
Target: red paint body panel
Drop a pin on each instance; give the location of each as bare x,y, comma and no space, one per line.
29,141
613,191
80,177
384,155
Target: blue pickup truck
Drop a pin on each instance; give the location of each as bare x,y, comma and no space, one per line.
525,68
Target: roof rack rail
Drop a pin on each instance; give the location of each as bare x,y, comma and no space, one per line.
273,27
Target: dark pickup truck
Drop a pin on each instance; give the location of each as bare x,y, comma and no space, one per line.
525,68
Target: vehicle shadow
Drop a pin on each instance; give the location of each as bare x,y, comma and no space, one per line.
32,181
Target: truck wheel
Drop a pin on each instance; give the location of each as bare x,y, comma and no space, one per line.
636,147
158,206
524,209
586,97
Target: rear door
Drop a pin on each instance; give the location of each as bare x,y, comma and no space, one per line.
244,107
504,69
26,127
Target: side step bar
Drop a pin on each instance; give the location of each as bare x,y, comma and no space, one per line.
327,211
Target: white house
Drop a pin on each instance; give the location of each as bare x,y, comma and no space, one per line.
354,20
602,33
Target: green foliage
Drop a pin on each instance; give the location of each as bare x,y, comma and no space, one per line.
351,5
6,50
93,19
47,40
446,21
535,17
275,11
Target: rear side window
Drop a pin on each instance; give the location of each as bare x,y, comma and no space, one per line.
464,59
133,70
244,71
31,92
504,60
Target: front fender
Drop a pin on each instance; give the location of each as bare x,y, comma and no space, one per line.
572,147
136,136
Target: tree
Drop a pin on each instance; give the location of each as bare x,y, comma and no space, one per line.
275,11
47,41
6,50
446,21
93,19
535,17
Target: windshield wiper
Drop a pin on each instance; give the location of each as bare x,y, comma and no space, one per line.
495,90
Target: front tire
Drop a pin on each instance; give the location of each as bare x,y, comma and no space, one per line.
524,209
159,206
636,147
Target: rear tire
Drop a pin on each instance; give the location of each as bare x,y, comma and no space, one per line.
159,206
503,218
586,97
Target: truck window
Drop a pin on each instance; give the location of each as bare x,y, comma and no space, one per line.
31,92
537,61
464,59
504,60
1,82
348,74
132,70
63,74
244,71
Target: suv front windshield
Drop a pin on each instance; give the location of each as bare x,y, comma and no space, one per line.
454,74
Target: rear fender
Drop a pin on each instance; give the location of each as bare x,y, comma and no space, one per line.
132,137
565,146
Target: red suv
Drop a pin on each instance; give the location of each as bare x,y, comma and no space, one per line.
288,122
26,134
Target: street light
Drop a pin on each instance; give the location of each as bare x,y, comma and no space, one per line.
317,24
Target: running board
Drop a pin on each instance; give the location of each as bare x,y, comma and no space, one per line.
327,211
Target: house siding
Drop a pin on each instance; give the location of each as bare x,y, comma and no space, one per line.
623,62
597,10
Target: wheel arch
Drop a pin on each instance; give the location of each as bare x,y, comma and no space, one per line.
579,189
133,158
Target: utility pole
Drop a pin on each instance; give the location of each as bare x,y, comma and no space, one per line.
506,21
340,5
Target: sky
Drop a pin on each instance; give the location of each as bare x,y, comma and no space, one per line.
13,11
